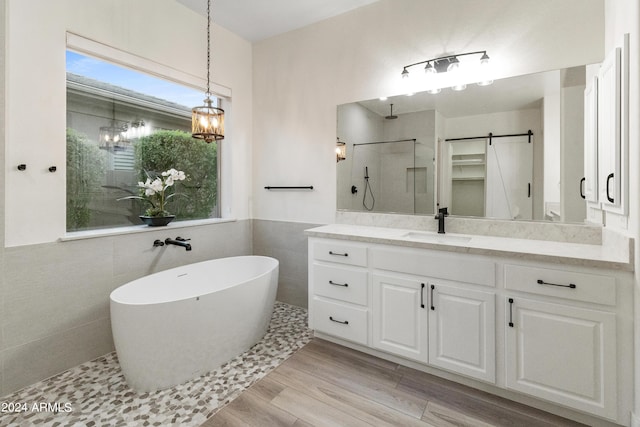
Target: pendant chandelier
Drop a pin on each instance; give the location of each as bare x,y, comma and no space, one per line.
114,137
207,121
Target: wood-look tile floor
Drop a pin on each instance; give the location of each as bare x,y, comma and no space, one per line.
325,384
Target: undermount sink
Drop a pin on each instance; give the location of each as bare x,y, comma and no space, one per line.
435,237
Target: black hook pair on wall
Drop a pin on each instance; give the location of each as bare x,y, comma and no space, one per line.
23,167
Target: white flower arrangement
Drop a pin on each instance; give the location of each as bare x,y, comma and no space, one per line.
155,191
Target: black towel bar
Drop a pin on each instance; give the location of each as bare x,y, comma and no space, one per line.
308,187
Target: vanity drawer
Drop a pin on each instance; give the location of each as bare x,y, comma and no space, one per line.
341,283
340,252
340,320
441,265
573,285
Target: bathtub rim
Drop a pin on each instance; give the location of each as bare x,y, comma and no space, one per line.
114,300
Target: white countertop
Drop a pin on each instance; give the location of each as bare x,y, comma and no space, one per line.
619,257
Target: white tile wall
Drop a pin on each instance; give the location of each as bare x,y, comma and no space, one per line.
54,299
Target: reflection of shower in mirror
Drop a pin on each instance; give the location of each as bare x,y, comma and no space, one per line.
367,187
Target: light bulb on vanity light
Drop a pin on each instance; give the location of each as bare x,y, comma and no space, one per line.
484,71
454,65
429,69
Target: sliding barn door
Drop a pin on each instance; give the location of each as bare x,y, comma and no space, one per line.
510,178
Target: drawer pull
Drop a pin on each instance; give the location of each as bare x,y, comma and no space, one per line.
433,307
344,285
338,254
511,312
342,322
542,282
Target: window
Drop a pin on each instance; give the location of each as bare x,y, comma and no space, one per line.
122,127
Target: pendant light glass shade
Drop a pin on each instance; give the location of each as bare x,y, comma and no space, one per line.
207,122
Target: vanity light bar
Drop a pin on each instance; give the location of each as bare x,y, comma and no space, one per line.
444,63
450,63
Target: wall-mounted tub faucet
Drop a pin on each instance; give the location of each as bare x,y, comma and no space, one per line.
179,241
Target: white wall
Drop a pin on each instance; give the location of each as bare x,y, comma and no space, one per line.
162,31
551,120
301,76
623,16
356,125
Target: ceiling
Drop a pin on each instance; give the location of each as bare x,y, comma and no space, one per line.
256,20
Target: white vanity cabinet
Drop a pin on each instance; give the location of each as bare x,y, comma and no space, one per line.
554,331
436,322
462,330
557,347
338,302
399,316
606,133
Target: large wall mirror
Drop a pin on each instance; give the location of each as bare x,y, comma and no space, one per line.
510,150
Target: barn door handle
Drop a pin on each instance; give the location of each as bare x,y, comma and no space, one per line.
609,178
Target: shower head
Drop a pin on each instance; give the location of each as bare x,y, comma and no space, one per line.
391,116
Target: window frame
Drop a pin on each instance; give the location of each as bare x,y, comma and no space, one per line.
91,48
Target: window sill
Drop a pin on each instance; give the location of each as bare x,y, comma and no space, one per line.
108,232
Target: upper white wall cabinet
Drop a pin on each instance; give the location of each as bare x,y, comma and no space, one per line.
613,134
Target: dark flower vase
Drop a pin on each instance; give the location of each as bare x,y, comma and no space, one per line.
157,221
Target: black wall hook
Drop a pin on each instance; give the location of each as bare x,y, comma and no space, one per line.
52,168
22,167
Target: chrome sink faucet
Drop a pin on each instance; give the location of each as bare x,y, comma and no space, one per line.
442,213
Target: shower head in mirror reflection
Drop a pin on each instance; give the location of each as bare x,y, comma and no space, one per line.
391,116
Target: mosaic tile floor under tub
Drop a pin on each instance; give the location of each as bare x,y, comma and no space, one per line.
96,394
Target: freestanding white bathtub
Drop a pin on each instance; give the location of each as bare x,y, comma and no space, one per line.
172,326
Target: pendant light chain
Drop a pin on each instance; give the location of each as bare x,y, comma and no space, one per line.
207,121
208,44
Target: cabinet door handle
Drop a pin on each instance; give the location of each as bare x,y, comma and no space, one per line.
582,187
342,322
542,282
338,254
431,297
529,190
421,295
344,285
609,178
510,312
